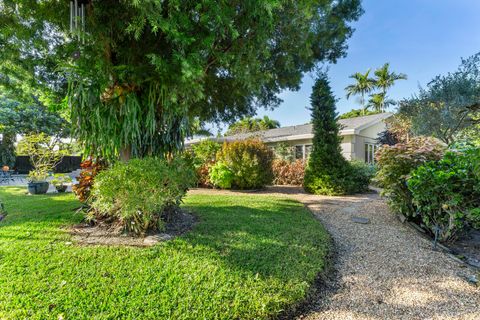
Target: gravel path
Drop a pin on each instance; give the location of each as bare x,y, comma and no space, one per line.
385,270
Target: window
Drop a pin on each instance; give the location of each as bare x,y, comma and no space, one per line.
302,151
299,152
370,150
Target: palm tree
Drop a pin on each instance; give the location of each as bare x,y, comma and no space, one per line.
267,123
363,85
379,101
384,80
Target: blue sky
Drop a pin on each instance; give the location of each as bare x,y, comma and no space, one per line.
422,38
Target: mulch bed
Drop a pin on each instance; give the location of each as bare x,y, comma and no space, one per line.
103,234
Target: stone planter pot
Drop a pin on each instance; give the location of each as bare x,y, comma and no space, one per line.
61,188
38,187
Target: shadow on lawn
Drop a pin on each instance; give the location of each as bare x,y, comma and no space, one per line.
283,241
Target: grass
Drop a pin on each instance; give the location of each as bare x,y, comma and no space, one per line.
249,257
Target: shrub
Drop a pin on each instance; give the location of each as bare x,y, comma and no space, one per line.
221,175
139,194
204,153
394,166
446,193
90,168
288,173
250,162
361,175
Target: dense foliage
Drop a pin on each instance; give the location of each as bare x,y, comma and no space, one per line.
446,193
288,172
139,195
357,113
204,157
25,119
328,172
245,164
445,108
136,80
250,124
395,163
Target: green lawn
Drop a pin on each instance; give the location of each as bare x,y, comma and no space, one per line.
249,257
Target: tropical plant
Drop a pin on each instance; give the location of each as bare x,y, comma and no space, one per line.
446,107
363,85
328,172
250,162
357,113
141,194
395,163
136,81
44,154
379,102
250,124
90,168
384,80
288,172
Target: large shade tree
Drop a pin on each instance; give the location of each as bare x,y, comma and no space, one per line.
143,69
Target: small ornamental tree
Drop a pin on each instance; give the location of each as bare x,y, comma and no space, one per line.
328,172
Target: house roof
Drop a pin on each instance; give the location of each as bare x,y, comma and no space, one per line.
305,131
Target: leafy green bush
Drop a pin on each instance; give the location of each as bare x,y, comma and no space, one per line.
204,153
394,166
139,193
361,175
221,175
446,193
250,162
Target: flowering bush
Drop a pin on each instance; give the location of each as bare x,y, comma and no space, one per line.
288,173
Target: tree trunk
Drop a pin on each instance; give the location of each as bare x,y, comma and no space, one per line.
125,153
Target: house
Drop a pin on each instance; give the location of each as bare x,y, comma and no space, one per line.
358,137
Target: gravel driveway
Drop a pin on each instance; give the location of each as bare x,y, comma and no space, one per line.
385,270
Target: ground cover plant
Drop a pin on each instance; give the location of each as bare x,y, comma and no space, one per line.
248,257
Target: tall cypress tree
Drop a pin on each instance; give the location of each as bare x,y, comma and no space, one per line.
328,172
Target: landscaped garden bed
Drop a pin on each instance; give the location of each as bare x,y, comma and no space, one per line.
247,257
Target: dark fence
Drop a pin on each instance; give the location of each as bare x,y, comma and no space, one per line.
68,164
